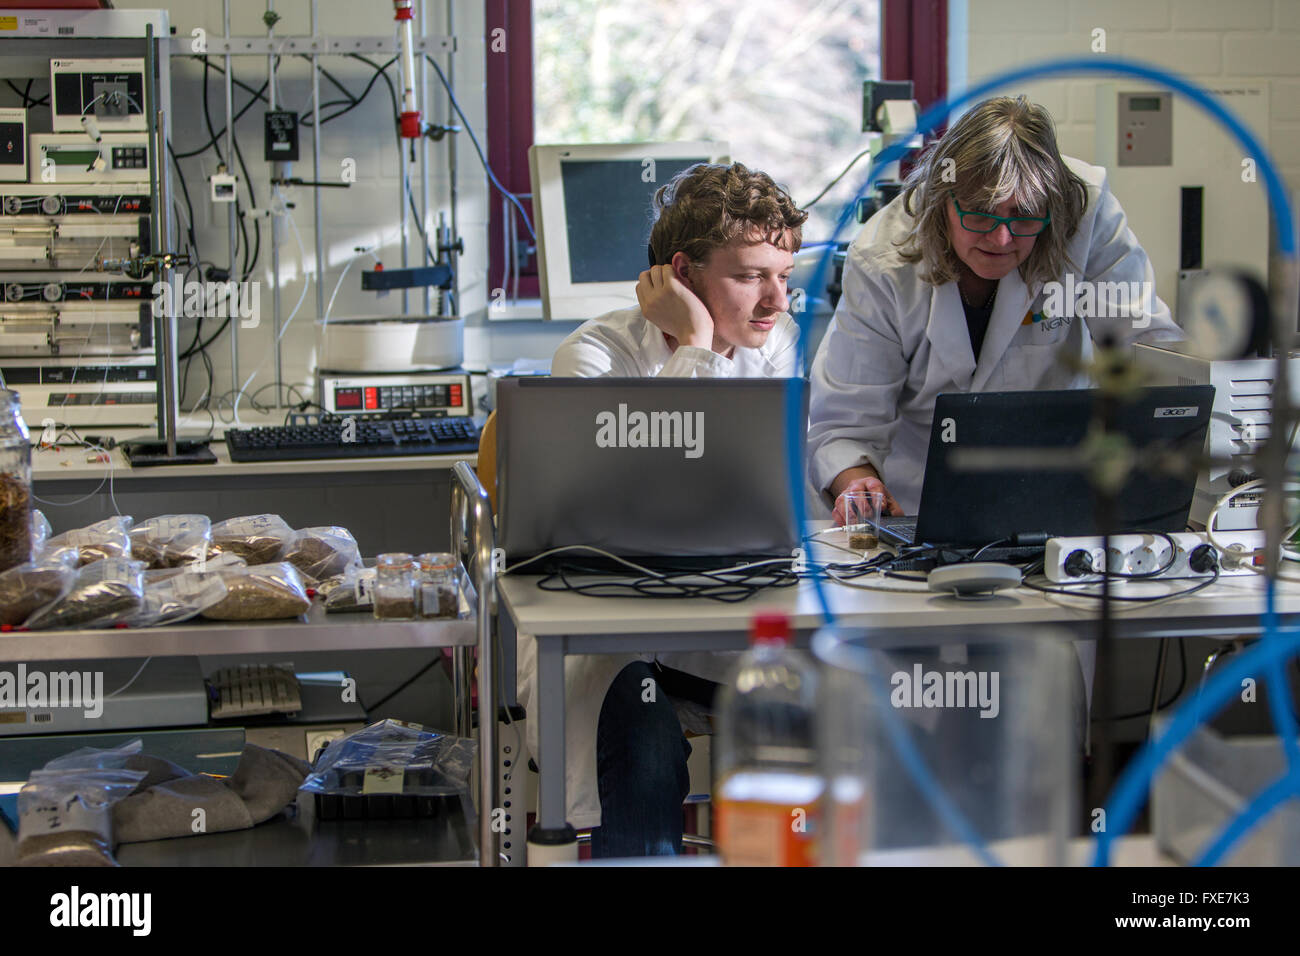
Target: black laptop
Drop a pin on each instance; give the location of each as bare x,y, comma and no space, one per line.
970,507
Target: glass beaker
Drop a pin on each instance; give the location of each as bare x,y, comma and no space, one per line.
862,510
948,755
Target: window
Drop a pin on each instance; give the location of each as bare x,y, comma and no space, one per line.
779,82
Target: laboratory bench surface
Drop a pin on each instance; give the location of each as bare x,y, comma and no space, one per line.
75,462
565,623
1226,607
315,631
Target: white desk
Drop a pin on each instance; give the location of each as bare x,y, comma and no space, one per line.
566,623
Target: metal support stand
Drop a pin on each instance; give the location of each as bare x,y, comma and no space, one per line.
473,540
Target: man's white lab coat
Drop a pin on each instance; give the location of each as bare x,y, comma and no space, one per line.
897,341
625,344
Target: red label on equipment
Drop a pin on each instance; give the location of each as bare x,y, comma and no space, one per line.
372,397
455,395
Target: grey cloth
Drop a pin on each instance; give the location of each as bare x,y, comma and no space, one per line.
264,783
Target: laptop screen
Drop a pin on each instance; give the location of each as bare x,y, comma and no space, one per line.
1009,490
647,467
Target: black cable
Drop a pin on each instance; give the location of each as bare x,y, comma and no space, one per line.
251,254
355,101
197,346
207,398
28,101
401,687
482,157
1182,684
382,72
207,118
185,191
1115,597
215,135
252,199
831,185
337,85
246,267
259,95
731,587
203,346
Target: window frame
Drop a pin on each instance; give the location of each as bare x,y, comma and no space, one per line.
914,45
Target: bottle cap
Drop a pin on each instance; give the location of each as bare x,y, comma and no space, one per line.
769,628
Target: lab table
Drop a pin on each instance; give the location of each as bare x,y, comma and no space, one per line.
565,623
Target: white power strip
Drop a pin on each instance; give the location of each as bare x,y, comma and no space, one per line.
1140,553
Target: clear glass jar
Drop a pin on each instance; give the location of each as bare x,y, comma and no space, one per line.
395,592
439,585
15,484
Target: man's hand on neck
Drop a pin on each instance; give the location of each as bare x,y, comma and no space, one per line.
670,305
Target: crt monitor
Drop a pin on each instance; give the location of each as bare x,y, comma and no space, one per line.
592,205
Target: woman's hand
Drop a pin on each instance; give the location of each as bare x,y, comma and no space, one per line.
866,480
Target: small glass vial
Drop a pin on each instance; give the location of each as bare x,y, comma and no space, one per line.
395,587
439,585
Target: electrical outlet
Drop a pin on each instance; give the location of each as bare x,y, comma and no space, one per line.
316,739
1142,553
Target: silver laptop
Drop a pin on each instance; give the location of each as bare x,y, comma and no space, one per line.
676,472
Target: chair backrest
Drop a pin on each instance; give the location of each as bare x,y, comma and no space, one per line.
487,458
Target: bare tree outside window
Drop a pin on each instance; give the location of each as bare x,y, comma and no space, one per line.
780,82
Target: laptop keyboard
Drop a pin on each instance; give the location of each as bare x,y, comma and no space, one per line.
904,528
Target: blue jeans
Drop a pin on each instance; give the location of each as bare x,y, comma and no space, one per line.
640,768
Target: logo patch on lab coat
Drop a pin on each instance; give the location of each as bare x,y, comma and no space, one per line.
1044,322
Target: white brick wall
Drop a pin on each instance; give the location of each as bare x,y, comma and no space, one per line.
1202,39
364,214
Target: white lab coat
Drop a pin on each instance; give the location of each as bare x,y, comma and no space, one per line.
896,342
625,344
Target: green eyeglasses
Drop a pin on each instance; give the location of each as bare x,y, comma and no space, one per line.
1022,226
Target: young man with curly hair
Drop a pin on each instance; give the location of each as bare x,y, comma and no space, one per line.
713,304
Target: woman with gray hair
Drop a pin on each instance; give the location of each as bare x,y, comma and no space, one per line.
994,270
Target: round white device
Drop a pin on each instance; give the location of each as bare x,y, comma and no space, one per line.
977,579
398,344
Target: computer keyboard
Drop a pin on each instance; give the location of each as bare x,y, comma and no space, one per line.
337,436
251,689
899,528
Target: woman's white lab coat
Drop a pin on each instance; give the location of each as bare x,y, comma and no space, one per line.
897,341
625,344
